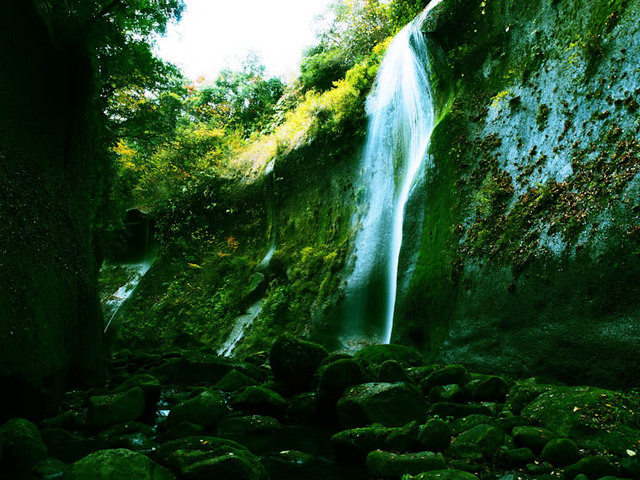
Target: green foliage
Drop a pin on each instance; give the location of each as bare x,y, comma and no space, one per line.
321,69
402,12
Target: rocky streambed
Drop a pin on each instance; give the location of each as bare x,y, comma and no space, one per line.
299,412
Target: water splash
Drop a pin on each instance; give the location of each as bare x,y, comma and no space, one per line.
401,115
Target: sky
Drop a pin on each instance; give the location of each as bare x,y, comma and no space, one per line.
214,34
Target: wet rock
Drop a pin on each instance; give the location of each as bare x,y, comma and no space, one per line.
200,443
392,371
447,375
467,423
295,464
334,379
378,354
235,465
21,445
516,457
435,435
233,381
450,474
489,388
353,446
107,410
150,387
482,441
48,469
534,438
592,467
181,430
404,439
387,464
390,404
66,446
446,393
560,452
592,417
302,409
254,424
294,361
523,392
116,464
207,408
260,400
457,410
630,467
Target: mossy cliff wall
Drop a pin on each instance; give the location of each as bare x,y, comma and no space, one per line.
50,318
530,246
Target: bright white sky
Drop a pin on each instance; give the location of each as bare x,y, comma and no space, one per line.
214,34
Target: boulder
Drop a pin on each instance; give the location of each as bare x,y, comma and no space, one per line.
378,354
107,410
593,467
234,465
392,371
200,443
534,438
449,474
489,388
207,408
117,464
335,378
446,393
390,404
435,435
353,446
302,409
447,375
66,446
560,452
21,445
592,417
294,361
150,387
467,423
253,424
233,381
260,400
458,410
516,457
480,442
387,464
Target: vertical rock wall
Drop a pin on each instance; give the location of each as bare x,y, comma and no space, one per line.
50,181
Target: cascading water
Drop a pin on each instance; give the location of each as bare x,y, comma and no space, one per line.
243,322
401,111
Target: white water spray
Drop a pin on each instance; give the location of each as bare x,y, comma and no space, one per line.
135,272
401,114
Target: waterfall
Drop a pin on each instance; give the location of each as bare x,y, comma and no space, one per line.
243,322
401,117
134,273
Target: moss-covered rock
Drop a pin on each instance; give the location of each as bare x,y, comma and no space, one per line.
107,410
404,439
435,435
449,474
251,424
236,465
458,410
481,441
516,457
21,445
233,381
490,388
116,464
531,437
387,464
467,423
450,374
207,408
260,400
592,417
150,388
353,446
560,452
390,404
335,378
66,446
378,354
392,371
592,467
294,361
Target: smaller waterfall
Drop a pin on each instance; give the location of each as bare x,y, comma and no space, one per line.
401,118
112,305
243,322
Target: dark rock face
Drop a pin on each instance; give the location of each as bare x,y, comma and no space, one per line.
529,214
294,361
50,320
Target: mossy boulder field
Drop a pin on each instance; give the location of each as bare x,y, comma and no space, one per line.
416,259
